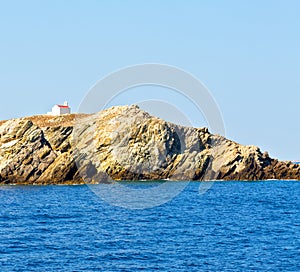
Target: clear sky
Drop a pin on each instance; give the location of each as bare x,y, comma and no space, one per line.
246,52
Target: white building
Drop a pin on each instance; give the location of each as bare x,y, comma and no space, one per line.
60,109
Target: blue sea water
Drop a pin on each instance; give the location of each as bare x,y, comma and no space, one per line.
235,226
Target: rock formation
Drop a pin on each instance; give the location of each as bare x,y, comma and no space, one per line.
125,143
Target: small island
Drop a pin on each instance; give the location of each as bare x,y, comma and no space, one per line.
125,143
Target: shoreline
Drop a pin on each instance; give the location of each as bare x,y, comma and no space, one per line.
145,182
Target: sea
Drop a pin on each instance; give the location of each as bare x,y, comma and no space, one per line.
233,226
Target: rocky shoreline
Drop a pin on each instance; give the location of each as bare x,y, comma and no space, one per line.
125,143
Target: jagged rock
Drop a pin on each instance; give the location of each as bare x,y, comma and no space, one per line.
125,143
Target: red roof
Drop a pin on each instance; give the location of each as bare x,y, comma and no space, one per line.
62,106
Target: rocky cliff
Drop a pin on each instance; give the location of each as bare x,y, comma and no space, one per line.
125,143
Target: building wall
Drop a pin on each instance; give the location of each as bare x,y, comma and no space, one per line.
65,110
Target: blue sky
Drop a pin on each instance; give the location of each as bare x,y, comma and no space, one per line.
246,53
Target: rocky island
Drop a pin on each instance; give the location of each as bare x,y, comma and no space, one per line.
125,143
